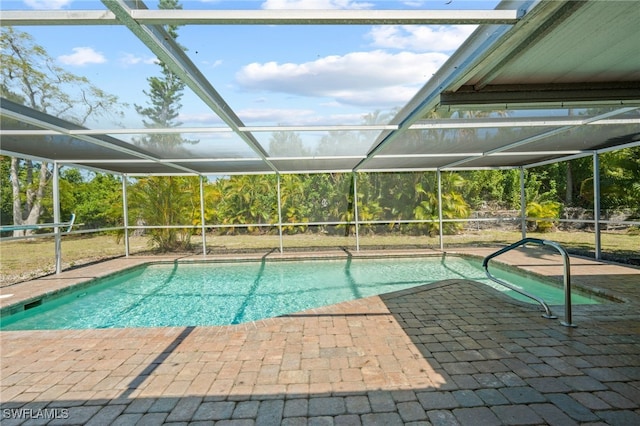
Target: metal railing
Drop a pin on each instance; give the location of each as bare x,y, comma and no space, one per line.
68,225
567,277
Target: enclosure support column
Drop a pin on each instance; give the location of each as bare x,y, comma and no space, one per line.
596,204
280,215
56,217
355,210
125,209
523,205
439,175
204,229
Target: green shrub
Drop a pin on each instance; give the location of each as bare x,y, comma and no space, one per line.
543,210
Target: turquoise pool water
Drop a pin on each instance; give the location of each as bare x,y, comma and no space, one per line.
190,294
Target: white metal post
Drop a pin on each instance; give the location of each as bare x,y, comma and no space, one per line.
355,210
56,217
125,209
596,205
523,205
204,229
441,234
280,215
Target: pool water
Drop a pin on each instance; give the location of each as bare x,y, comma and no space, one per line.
190,294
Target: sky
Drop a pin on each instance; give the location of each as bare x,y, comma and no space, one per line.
270,75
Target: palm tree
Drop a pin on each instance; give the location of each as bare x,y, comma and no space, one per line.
295,208
453,205
248,199
167,201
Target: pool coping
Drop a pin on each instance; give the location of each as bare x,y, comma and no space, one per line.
33,293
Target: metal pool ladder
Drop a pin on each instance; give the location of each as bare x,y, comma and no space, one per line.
567,278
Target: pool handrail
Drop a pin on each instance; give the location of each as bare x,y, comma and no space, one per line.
567,277
68,225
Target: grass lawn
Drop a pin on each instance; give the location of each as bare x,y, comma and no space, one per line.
23,260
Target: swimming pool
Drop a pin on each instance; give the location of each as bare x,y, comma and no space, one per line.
189,294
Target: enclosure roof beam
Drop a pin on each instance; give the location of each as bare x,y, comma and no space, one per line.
57,17
36,118
481,123
263,17
543,135
48,160
505,97
583,154
327,17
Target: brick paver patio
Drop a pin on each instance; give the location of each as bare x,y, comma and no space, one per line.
446,354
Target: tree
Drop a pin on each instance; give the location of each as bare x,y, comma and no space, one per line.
287,144
295,208
6,201
248,199
542,210
31,77
619,180
162,201
96,201
167,201
453,204
498,187
164,96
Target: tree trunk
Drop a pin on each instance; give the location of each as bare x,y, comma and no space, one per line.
29,213
350,206
569,192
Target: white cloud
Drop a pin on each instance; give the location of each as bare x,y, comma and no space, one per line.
296,117
47,4
316,4
421,38
357,78
129,59
200,119
251,115
214,64
82,56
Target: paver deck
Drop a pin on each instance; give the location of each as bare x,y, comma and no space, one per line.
452,353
